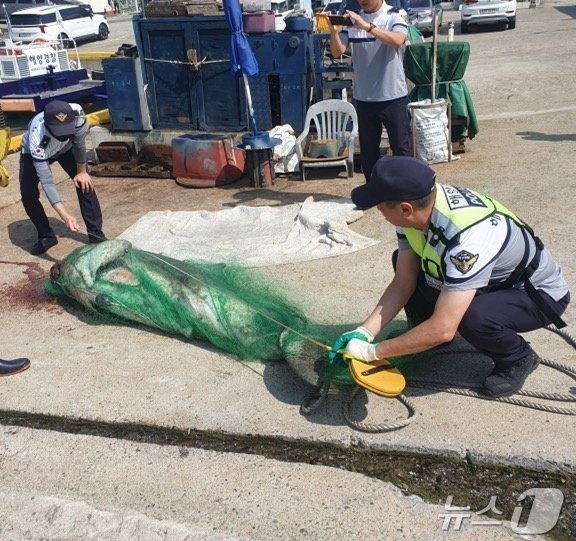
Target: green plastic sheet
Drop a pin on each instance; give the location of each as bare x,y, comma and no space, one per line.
452,59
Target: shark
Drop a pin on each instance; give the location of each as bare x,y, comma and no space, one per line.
231,307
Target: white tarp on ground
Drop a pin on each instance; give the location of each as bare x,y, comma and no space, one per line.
253,236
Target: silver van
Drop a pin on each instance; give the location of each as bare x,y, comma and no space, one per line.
421,13
15,5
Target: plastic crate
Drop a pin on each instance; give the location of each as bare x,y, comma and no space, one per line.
322,22
259,22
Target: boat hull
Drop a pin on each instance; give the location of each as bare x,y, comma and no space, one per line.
31,94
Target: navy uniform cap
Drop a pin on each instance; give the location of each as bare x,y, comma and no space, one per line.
60,118
395,178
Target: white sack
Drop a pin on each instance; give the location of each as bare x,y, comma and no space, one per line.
431,134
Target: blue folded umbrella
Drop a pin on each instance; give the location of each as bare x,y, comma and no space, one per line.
243,61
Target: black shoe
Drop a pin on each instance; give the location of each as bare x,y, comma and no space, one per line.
507,381
43,245
7,368
96,239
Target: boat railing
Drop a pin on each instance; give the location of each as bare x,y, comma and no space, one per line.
19,59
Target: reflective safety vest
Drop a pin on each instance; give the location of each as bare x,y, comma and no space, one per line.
456,210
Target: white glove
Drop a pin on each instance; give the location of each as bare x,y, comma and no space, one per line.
366,332
361,333
363,351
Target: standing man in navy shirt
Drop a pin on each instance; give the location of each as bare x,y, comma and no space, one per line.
58,134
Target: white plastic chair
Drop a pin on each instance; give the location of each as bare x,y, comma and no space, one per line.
331,119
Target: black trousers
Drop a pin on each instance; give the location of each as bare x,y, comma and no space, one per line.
372,116
493,320
89,204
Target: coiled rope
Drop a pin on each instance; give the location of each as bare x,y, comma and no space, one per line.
455,388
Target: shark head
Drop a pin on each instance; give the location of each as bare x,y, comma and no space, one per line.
79,273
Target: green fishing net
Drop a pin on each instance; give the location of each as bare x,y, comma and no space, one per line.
232,307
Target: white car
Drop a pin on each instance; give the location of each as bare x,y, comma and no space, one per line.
281,8
487,12
64,23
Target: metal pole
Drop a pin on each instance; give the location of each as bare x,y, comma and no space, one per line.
249,103
434,54
449,113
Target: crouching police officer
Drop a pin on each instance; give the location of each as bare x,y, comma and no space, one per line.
58,134
464,263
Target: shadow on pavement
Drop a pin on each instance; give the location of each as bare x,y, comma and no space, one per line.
553,137
22,234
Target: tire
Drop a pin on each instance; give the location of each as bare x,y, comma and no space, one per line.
65,40
464,27
103,32
512,23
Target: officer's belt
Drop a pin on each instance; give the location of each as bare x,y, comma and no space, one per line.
522,275
536,296
532,292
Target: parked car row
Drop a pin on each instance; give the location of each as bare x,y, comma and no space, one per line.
420,13
416,12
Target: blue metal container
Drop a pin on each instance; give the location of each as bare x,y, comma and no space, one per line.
187,68
126,99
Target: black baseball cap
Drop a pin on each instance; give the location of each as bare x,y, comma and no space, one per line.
395,178
60,118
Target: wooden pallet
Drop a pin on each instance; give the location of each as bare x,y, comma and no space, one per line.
131,169
166,8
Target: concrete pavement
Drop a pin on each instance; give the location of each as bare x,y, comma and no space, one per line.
118,432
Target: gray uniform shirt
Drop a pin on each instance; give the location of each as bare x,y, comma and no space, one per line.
378,68
489,252
44,148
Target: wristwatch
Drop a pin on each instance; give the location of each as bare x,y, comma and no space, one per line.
370,28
